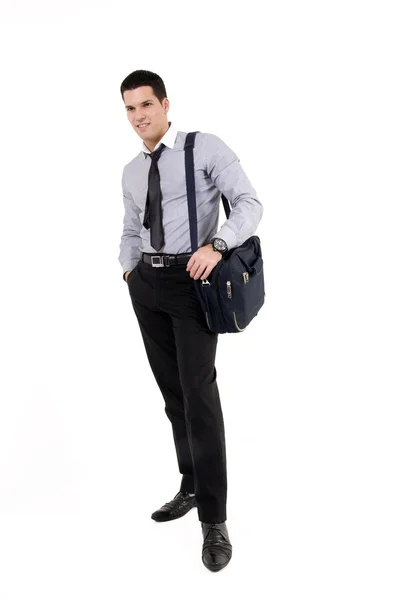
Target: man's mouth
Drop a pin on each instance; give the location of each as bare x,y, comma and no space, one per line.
143,126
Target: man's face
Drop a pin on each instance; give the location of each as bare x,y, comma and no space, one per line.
142,106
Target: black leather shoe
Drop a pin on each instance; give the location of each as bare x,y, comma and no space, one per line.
217,548
176,508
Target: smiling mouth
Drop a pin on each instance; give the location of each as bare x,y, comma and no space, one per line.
143,126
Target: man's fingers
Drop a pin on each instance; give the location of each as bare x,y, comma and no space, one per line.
201,270
191,264
194,269
206,273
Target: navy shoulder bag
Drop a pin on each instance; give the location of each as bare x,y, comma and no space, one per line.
233,293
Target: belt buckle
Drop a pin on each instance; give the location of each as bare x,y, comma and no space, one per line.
160,264
164,261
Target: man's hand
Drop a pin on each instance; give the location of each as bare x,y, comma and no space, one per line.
126,275
203,261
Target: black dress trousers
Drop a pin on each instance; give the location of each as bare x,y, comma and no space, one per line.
181,351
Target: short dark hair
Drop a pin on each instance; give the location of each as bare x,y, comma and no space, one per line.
139,78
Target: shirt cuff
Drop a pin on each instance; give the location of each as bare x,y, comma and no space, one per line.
226,234
129,267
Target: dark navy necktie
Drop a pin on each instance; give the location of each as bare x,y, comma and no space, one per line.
153,207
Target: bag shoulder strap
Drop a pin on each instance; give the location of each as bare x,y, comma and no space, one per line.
190,183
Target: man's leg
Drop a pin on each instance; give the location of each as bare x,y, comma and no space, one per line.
196,350
158,337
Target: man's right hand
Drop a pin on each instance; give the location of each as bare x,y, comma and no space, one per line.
126,275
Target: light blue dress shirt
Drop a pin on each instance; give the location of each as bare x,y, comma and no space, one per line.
217,170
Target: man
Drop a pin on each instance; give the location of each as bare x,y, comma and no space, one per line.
160,268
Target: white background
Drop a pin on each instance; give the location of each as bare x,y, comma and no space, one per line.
306,94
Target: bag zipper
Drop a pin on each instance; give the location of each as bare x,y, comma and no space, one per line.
229,294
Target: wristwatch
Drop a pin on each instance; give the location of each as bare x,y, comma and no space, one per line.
219,245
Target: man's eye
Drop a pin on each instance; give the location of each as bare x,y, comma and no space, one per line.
146,104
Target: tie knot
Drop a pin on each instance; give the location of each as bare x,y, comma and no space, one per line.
156,153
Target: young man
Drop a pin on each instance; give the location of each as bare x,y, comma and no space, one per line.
160,268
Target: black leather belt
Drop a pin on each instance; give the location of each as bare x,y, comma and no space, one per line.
165,260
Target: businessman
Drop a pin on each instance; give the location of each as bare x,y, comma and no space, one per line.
159,268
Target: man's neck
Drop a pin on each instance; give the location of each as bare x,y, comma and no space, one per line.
152,145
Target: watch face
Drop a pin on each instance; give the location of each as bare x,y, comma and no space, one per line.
220,245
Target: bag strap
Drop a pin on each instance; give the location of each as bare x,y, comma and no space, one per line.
190,182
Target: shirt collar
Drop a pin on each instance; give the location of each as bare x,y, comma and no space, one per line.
168,139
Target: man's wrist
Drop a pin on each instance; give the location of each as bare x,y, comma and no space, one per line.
219,245
211,246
